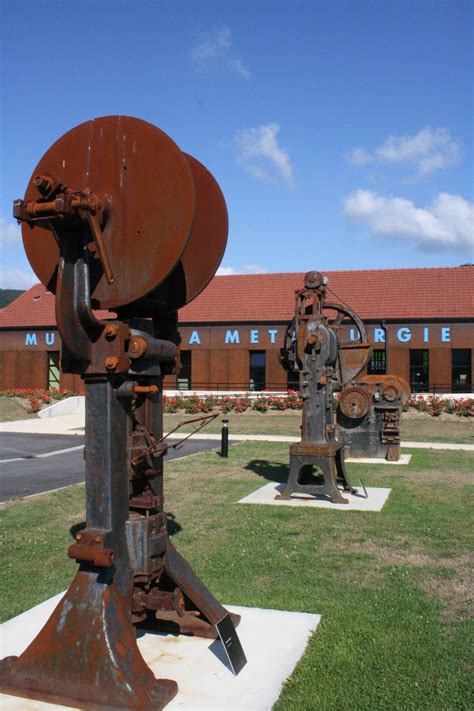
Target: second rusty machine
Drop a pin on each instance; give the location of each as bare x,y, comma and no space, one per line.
117,218
366,421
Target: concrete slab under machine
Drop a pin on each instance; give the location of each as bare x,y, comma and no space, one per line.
273,641
376,498
404,459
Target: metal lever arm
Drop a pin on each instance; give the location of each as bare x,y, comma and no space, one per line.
94,225
67,203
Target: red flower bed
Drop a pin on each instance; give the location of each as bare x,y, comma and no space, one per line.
193,404
37,397
434,405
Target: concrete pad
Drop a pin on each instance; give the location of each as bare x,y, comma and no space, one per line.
273,641
455,446
404,459
357,502
64,424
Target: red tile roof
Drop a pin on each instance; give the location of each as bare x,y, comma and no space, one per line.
33,309
442,293
445,293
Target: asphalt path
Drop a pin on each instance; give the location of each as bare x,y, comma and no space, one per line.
32,464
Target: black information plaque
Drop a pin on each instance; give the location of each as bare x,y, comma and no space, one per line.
231,642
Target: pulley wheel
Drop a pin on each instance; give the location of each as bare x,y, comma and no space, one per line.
354,402
206,245
393,386
150,195
313,280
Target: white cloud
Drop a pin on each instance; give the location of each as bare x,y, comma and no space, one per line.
215,50
247,269
358,156
9,233
17,279
429,150
259,154
447,223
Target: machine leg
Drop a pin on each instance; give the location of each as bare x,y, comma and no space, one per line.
87,654
181,573
393,453
328,488
341,473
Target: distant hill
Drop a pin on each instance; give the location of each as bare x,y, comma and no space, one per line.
9,295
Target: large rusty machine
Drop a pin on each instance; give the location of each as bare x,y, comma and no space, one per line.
367,418
325,362
115,217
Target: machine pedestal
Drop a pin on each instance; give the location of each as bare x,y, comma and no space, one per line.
87,654
329,458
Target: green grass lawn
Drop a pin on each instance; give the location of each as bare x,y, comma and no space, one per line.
288,423
393,588
12,408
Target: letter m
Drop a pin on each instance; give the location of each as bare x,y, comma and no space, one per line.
232,337
30,339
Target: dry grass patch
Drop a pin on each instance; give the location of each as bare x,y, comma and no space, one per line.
449,578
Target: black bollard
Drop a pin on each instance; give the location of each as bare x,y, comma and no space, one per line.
225,438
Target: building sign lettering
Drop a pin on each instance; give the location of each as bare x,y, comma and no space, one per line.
233,336
31,339
194,338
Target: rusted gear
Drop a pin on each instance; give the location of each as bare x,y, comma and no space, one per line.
354,402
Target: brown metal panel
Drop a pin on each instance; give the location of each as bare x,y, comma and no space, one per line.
398,362
238,369
9,370
31,369
169,382
275,374
219,369
200,364
9,340
462,335
72,382
440,366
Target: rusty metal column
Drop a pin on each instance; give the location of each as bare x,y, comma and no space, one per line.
107,444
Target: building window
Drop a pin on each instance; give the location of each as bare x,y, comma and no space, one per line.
419,370
378,362
257,370
53,369
461,374
183,380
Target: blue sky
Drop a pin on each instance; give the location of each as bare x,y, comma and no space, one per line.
341,133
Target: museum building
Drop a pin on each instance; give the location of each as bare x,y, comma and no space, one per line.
420,323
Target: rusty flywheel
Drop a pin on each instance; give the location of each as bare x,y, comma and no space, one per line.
148,211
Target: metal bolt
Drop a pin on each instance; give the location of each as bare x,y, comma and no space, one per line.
78,536
43,183
97,539
138,347
111,362
111,331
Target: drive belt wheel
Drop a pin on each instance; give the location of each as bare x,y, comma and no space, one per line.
354,402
